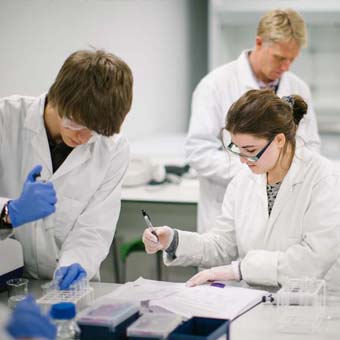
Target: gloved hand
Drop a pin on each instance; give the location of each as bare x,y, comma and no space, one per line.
66,276
37,200
27,321
152,245
220,273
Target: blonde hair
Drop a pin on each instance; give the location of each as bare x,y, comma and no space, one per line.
283,26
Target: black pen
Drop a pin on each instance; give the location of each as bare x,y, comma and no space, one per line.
148,223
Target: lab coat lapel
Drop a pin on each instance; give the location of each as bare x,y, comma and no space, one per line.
74,160
261,193
294,176
39,143
245,73
248,80
284,88
35,128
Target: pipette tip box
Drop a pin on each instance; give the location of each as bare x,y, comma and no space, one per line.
107,320
153,326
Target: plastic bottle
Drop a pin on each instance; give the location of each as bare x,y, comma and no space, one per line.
63,314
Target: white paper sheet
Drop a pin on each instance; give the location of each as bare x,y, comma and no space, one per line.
205,300
208,301
142,290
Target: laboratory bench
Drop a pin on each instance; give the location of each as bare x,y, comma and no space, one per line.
257,324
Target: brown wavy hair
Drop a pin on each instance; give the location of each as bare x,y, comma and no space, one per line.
94,89
263,114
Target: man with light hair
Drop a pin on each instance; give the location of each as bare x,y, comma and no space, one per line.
280,36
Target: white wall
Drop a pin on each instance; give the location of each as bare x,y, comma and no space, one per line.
155,37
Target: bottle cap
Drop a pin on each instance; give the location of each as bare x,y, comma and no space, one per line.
63,311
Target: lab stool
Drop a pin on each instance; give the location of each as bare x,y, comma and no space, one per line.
137,245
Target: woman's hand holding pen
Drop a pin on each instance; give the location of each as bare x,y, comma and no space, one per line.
165,235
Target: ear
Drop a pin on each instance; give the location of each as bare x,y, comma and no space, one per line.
258,42
280,140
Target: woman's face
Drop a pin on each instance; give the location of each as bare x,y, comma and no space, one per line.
250,145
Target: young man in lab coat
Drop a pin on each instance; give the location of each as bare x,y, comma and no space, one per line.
280,36
73,132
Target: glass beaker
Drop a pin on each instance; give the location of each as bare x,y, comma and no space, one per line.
17,291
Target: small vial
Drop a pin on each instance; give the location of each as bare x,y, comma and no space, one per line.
63,314
17,291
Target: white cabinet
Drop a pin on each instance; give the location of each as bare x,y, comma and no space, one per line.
232,28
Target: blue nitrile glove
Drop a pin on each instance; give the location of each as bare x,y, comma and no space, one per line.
27,321
66,276
36,201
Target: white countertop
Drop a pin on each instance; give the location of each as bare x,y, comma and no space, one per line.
166,150
185,192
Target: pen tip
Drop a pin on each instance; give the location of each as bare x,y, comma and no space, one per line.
143,212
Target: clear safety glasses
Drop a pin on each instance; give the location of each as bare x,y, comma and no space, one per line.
233,148
71,125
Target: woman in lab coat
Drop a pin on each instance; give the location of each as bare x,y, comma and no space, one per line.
281,213
280,36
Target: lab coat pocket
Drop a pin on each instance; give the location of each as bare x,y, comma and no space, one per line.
67,213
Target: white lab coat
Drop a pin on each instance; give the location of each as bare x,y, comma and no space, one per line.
4,317
210,104
87,184
301,238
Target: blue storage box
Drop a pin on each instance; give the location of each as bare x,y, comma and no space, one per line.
153,326
107,321
198,328
90,332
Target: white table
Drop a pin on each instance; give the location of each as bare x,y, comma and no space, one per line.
260,323
186,192
163,150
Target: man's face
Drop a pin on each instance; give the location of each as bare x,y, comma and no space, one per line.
73,134
275,58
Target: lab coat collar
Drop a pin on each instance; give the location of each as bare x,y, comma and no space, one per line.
249,81
294,176
83,152
284,85
35,115
35,118
35,123
76,158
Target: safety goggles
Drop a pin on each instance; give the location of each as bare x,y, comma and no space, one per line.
233,148
70,124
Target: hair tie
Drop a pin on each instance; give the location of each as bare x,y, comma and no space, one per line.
290,100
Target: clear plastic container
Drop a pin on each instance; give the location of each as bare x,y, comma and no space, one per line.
301,305
17,291
152,325
108,313
63,314
80,293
